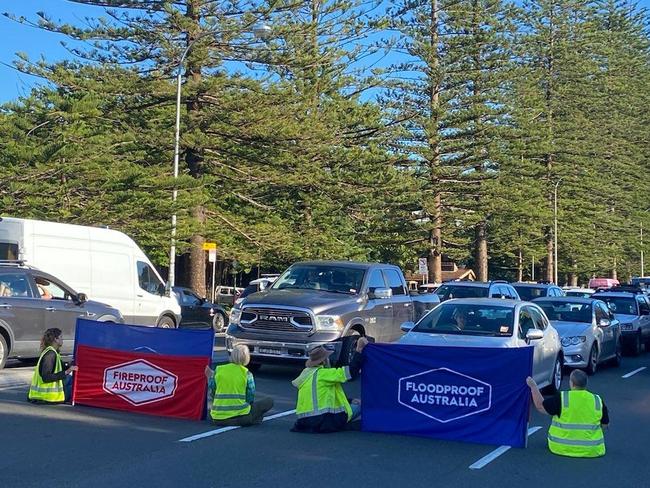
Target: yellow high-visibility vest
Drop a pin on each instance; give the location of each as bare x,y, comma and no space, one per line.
47,392
577,432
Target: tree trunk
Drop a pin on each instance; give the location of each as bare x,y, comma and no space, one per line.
549,256
614,273
573,276
481,252
197,258
434,260
520,266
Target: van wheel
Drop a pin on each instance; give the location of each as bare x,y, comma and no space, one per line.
166,323
4,352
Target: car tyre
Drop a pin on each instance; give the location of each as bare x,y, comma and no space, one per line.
592,362
4,351
253,367
166,323
348,348
556,378
219,322
634,348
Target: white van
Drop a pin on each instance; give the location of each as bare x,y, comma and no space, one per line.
104,264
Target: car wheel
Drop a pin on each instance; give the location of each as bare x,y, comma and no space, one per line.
348,348
4,352
218,322
635,347
618,356
556,379
252,367
166,323
592,363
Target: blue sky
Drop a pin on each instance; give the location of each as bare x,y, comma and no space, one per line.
15,37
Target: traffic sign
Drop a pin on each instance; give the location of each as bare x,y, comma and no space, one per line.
209,246
422,266
212,255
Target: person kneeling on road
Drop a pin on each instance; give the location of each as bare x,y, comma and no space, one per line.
52,380
234,392
578,418
322,405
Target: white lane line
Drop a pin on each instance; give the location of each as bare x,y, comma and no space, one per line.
632,373
498,452
10,386
227,429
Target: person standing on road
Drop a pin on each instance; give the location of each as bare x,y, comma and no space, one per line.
578,418
322,405
234,392
51,383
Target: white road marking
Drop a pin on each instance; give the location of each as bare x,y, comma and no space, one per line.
11,386
498,452
632,373
227,429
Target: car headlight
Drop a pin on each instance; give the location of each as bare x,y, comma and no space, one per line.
235,315
328,322
573,340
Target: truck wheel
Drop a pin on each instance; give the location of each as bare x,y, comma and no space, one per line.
218,322
348,348
4,352
166,323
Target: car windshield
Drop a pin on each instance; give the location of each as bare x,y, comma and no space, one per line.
581,294
466,319
567,311
529,293
334,279
248,290
446,292
620,305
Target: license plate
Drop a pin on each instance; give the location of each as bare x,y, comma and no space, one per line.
269,350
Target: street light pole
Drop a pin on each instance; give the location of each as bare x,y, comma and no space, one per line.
557,183
642,264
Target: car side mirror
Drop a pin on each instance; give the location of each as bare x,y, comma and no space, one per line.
382,293
534,335
604,323
82,298
407,326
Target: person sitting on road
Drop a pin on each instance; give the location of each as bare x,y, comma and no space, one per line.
578,418
52,380
322,406
233,391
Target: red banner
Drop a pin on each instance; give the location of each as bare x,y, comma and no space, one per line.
154,384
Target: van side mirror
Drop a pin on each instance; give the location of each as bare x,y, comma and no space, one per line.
82,298
162,289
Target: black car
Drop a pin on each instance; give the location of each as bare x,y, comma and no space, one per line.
198,312
530,291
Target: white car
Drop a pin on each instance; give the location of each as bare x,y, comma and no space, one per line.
579,292
490,322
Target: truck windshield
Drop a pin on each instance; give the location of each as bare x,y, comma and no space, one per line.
465,319
333,279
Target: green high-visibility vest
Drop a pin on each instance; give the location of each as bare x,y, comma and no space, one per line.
577,432
321,392
47,392
230,395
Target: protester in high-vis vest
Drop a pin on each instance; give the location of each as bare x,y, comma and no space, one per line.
232,389
578,418
50,381
322,405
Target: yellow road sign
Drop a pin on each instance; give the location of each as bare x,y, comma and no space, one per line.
209,246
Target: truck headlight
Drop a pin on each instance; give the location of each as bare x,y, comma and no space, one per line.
328,322
235,315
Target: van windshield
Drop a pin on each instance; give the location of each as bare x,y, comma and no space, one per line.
8,251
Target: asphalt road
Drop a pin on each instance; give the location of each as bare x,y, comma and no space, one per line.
65,446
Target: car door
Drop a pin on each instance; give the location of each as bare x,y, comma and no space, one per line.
22,312
147,296
548,343
644,311
61,310
192,306
604,335
378,313
402,305
541,373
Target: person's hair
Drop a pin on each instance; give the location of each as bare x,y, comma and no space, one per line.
578,379
240,355
49,337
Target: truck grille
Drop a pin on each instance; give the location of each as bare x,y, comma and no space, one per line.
276,319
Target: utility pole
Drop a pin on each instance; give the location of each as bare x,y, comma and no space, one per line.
642,264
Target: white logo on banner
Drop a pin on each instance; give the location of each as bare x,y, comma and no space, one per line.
444,395
139,382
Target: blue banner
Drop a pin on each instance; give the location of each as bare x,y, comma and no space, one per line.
467,394
122,337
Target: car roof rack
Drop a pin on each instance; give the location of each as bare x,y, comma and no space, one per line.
622,288
500,281
12,262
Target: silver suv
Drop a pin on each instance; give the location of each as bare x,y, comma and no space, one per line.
32,301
